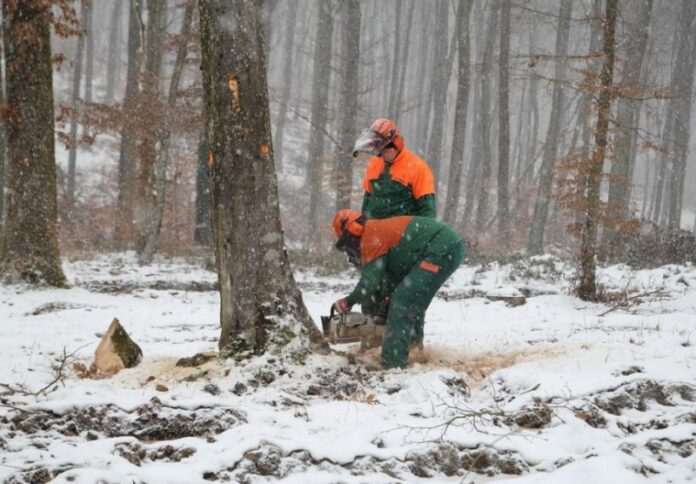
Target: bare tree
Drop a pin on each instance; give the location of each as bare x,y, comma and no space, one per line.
77,79
587,288
439,90
89,53
349,101
261,307
113,64
627,120
288,61
504,124
127,158
29,249
535,244
156,215
460,113
320,103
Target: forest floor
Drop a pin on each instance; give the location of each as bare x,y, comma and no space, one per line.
554,390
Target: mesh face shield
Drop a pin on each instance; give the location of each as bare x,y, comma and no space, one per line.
369,144
350,245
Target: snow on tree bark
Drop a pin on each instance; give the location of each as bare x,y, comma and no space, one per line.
261,306
29,249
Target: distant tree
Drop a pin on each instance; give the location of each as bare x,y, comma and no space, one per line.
503,213
29,249
460,111
127,158
3,134
261,306
89,52
587,287
535,243
113,64
349,100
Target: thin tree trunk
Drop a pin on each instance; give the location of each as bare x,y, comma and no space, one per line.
89,54
261,306
155,220
587,288
349,101
146,191
535,244
439,91
202,233
127,158
504,125
288,64
628,118
77,79
3,130
114,57
462,104
29,250
485,117
320,97
395,24
682,86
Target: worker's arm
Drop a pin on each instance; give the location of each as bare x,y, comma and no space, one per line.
370,281
365,204
425,206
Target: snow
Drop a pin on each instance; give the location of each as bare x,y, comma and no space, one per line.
331,421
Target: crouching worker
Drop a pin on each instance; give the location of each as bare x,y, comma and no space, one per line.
415,255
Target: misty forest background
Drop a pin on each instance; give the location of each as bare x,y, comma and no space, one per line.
551,125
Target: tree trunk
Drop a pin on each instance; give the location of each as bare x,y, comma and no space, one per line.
146,191
3,133
320,96
29,250
154,221
628,118
535,244
89,37
401,88
261,306
349,101
439,91
127,158
288,63
504,125
395,24
114,58
587,289
201,233
462,104
77,79
682,87
484,134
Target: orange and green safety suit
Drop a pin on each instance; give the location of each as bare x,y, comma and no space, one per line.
415,256
405,186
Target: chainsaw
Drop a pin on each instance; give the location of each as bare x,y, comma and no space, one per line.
353,328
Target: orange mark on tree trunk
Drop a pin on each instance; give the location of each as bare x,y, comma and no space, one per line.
211,159
265,151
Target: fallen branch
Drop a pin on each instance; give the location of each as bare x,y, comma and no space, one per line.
635,300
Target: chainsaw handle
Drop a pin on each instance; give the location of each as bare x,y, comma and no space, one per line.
332,311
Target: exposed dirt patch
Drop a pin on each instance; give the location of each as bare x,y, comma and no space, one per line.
136,454
446,458
151,422
639,394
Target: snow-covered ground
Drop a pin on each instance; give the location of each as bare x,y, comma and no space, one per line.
552,391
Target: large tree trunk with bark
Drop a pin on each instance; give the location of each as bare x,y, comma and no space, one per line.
127,160
535,243
29,249
320,105
288,63
76,82
503,212
460,113
261,306
349,101
587,288
3,132
627,123
154,220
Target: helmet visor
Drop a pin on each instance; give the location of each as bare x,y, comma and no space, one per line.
369,143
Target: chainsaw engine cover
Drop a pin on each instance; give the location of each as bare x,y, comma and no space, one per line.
354,327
